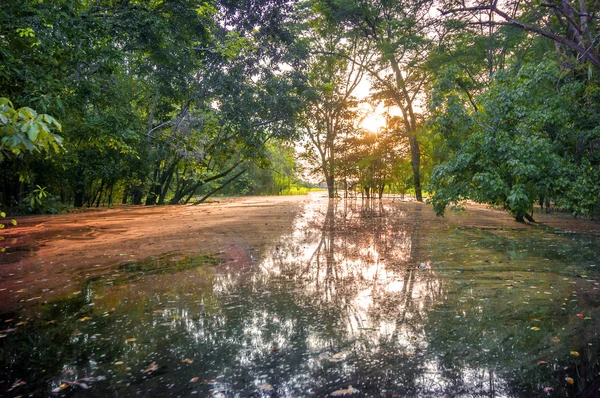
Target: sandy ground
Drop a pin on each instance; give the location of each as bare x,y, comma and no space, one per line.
47,257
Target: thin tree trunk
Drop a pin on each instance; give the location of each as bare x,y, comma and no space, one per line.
208,195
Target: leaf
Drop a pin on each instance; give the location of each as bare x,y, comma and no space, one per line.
130,340
187,361
555,339
33,131
542,363
85,318
580,316
266,387
194,380
535,328
13,222
119,363
575,353
151,368
569,380
340,393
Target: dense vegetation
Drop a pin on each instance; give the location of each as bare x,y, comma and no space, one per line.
170,101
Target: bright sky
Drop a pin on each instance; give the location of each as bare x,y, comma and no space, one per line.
375,118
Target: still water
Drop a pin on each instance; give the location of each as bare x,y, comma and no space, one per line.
363,299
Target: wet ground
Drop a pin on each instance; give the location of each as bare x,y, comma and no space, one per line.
356,298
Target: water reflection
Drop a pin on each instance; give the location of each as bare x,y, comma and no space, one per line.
363,293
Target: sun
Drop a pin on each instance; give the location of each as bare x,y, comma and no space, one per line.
373,122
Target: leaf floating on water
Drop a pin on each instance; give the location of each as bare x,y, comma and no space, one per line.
327,356
547,292
85,318
548,390
580,316
119,363
194,380
340,393
588,318
131,340
151,368
21,324
266,387
575,353
555,339
542,363
187,361
569,380
60,388
535,328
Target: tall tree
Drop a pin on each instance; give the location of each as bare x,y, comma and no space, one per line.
401,32
331,108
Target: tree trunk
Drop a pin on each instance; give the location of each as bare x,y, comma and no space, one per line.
415,162
330,186
208,195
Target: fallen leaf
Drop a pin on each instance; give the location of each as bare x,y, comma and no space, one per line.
266,387
555,339
548,389
569,380
535,328
340,393
85,318
21,324
580,316
60,388
194,380
119,363
547,292
131,340
187,361
542,363
575,353
151,368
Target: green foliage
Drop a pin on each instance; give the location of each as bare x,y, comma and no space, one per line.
519,145
24,130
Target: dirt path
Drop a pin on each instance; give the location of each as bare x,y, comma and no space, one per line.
49,256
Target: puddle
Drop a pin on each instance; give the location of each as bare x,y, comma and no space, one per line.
364,299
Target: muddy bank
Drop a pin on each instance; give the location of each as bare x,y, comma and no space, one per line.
48,256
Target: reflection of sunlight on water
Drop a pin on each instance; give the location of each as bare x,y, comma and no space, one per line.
351,257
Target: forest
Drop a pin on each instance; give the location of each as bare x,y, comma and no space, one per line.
171,101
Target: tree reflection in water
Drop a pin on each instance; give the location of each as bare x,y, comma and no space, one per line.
361,293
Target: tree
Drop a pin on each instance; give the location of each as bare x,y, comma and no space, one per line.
23,130
526,140
401,33
330,111
572,25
